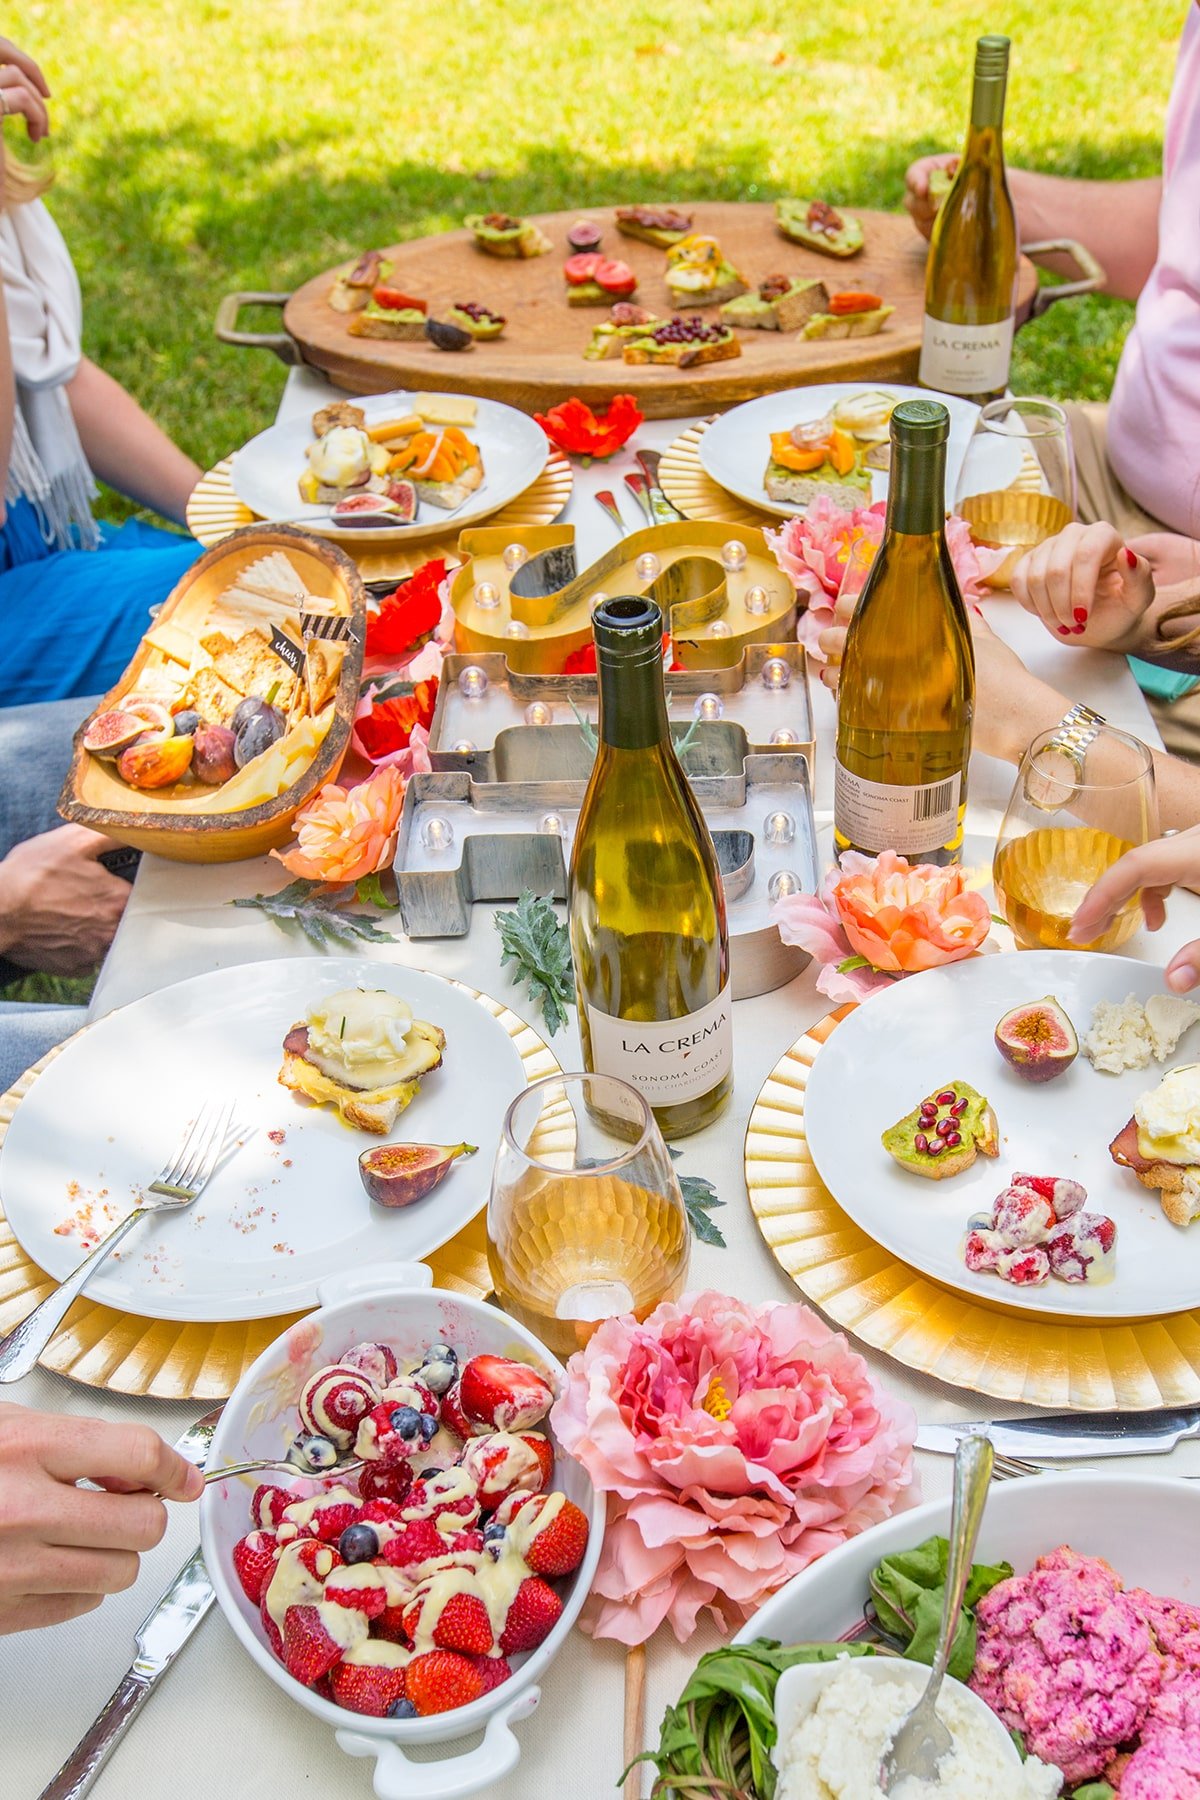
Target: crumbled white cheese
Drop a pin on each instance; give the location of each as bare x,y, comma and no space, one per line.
1169,1016
1119,1036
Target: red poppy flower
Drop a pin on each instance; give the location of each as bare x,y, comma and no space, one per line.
576,430
390,723
408,616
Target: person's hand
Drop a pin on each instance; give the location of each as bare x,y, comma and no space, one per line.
1172,558
23,89
832,641
59,907
917,199
62,1547
1155,869
1087,584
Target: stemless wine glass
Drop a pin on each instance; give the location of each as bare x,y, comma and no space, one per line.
1016,486
1080,801
585,1219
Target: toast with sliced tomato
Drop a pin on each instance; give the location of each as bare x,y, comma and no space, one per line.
849,315
799,471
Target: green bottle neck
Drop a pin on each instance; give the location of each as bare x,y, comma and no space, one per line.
633,703
917,491
987,112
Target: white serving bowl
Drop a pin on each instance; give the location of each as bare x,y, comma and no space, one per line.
393,1304
1145,1526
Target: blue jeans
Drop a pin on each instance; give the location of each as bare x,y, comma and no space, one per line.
73,618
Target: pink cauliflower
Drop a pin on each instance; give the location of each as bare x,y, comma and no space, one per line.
1066,1658
1166,1763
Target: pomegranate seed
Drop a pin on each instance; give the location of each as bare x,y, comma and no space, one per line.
948,1098
935,1147
921,1142
927,1118
944,1127
959,1108
953,1140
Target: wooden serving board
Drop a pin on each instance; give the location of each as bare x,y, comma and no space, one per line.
539,360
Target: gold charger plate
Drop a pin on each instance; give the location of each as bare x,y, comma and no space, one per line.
102,1347
694,493
1132,1366
214,510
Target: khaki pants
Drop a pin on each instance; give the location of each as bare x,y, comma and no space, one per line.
1101,496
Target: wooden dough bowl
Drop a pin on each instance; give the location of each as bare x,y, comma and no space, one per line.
186,823
539,360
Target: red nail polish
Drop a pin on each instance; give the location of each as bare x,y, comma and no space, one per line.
1064,631
1081,615
977,610
1078,630
1130,558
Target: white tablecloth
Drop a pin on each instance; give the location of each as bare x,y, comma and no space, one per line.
218,1726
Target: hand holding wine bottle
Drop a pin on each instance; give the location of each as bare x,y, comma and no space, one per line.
647,908
971,273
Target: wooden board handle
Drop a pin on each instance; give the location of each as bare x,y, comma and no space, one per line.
1091,276
280,343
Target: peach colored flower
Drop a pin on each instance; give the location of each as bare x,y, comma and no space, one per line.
345,833
736,1445
900,917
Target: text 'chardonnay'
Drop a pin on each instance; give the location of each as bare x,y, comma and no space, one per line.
971,274
647,909
907,688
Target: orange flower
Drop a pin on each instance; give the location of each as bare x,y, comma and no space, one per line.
346,833
905,918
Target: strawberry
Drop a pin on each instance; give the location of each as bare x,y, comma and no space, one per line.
441,1680
309,1650
377,1483
535,1611
503,1395
368,1687
361,1587
449,1491
493,1669
452,1416
266,1508
557,1549
543,1449
390,1624
254,1561
462,1624
271,1629
499,1465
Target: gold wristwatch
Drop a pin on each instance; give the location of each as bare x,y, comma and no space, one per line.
1071,738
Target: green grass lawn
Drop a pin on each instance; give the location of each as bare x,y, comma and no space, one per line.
207,145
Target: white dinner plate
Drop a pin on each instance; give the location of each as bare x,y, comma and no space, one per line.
931,1030
266,472
735,449
287,1207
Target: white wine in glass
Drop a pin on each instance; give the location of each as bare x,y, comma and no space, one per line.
1068,820
586,1220
1016,486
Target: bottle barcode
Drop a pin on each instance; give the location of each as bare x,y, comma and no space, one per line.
929,803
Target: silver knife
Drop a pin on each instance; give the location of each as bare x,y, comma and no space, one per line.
1070,1435
160,1637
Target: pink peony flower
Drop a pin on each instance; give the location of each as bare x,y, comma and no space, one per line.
345,833
900,917
813,552
736,1445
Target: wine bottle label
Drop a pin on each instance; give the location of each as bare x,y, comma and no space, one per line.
875,816
965,359
671,1060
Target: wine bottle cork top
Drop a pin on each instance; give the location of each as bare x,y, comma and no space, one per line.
920,423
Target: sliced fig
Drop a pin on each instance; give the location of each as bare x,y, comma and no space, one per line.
372,509
111,732
398,1174
444,336
1038,1039
585,235
155,715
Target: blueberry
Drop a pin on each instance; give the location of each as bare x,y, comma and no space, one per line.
438,1377
428,1474
441,1353
311,1451
428,1426
402,1709
358,1543
493,1531
406,1421
186,723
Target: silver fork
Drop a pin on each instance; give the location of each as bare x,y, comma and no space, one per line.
173,1188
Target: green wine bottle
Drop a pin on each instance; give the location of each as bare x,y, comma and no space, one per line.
971,272
907,688
647,908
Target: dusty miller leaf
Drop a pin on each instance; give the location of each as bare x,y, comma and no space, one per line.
536,941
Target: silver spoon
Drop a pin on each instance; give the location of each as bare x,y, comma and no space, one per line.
296,1462
921,1740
